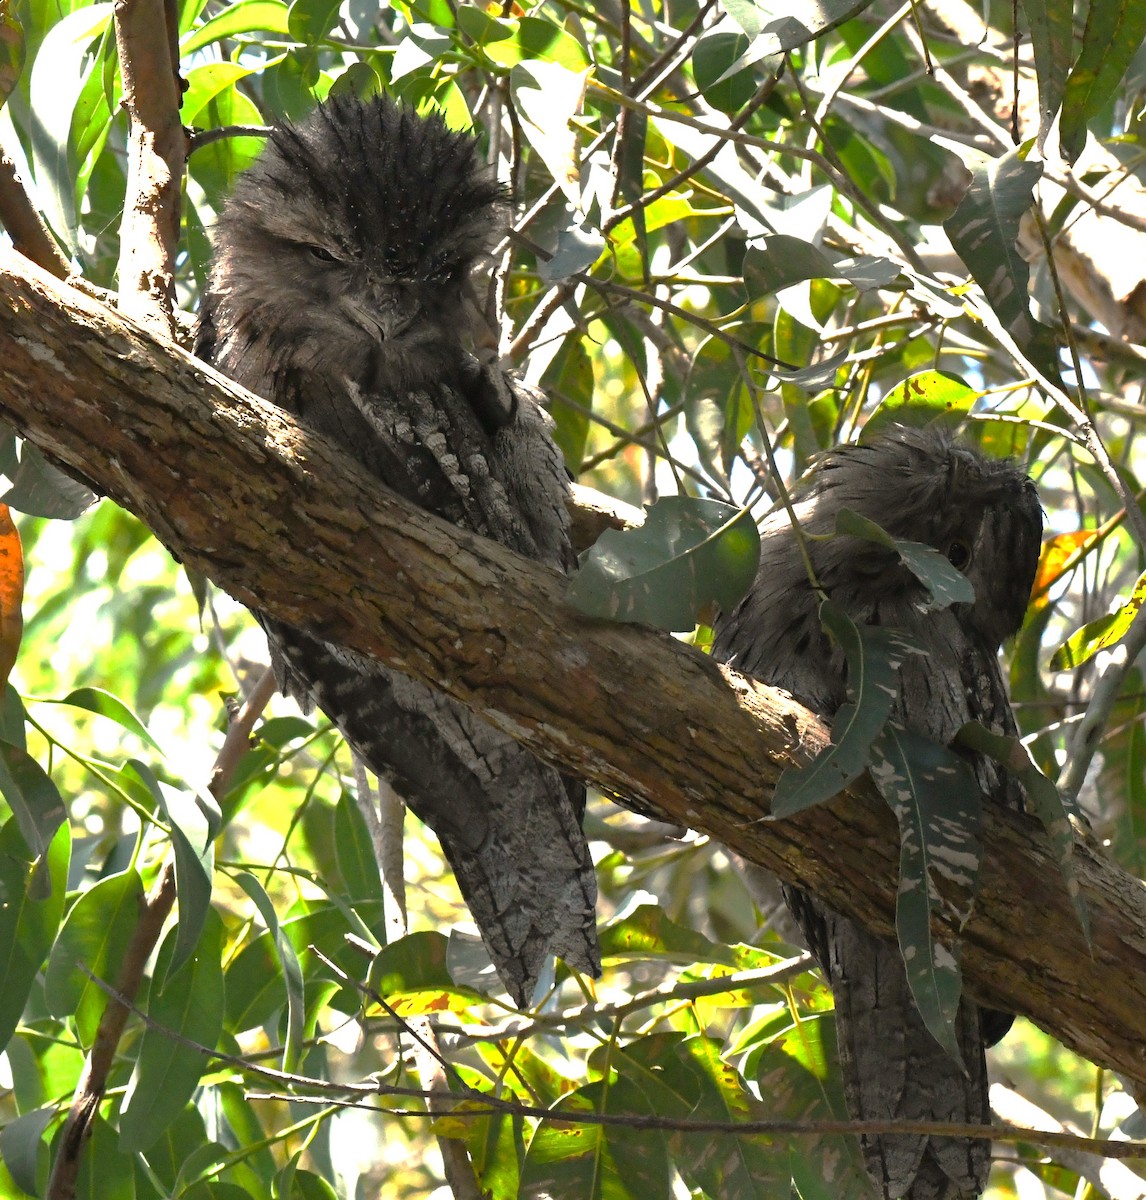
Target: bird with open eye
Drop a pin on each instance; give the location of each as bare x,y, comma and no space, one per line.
984,515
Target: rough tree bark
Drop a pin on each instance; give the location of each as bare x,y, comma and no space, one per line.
277,517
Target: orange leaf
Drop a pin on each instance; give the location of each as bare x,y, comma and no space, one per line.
11,593
1059,554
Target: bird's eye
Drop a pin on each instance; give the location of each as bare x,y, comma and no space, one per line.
958,554
321,253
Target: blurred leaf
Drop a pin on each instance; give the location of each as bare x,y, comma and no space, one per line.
716,54
28,923
1112,37
354,851
577,250
294,1184
309,21
94,938
104,704
874,656
32,796
785,24
687,554
167,1071
937,802
21,1145
288,964
569,377
12,48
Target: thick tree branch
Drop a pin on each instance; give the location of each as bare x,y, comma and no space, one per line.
146,34
275,514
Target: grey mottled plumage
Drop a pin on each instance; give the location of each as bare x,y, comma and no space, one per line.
339,291
984,515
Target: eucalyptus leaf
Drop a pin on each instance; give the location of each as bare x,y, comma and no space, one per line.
938,805
874,656
945,584
689,553
984,230
1100,634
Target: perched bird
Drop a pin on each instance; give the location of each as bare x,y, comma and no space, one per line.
984,515
341,290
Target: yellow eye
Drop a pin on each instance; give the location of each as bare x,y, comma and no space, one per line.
958,554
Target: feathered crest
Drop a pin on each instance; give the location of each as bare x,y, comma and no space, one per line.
414,191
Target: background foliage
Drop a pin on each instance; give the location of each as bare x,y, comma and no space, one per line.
744,231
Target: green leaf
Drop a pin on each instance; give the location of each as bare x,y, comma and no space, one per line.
984,230
798,1071
716,66
247,16
920,399
944,583
12,49
204,84
256,986
778,261
644,931
60,70
310,21
354,852
288,964
167,1071
598,1161
506,42
291,1183
95,936
1094,636
1052,808
28,924
688,553
194,820
33,798
42,490
569,377
104,704
937,802
21,1143
577,249
874,656
783,25
1052,39
1112,37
